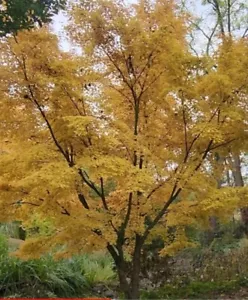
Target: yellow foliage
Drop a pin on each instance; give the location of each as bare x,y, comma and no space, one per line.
118,144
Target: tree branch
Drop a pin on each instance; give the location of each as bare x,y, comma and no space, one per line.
229,16
34,100
56,142
65,211
103,195
245,33
83,200
20,202
220,19
185,126
88,182
204,155
221,145
174,194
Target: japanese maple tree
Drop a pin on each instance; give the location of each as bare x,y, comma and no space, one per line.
117,145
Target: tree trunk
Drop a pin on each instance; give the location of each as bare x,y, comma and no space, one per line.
130,289
213,220
236,171
129,278
123,279
135,276
239,182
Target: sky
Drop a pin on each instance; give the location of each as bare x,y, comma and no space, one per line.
195,7
58,26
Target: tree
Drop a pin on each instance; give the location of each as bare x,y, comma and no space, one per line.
226,19
213,20
24,14
117,146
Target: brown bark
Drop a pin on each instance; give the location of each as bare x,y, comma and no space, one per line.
135,276
130,289
129,277
236,170
123,279
239,182
213,220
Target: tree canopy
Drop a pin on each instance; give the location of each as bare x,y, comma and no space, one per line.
24,14
118,145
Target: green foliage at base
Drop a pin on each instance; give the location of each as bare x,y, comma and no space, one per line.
10,229
195,290
97,268
46,277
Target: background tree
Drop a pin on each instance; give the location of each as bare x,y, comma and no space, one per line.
211,20
222,20
24,14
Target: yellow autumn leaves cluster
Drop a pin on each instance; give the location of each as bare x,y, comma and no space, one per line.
121,138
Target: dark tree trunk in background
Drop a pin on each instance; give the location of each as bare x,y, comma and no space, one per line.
213,220
22,233
239,182
236,171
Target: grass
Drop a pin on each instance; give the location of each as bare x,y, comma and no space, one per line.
97,268
46,277
196,290
10,229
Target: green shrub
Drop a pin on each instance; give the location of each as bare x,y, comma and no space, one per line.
10,229
46,277
97,268
41,277
3,247
194,290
